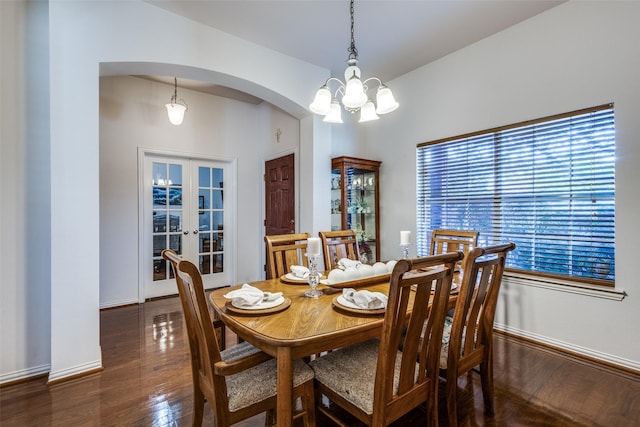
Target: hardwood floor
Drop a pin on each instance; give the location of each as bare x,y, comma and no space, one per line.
146,381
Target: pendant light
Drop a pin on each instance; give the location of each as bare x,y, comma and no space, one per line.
353,92
175,108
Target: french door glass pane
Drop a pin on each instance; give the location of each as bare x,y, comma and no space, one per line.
167,215
210,219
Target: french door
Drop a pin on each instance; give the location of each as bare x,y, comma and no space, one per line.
186,209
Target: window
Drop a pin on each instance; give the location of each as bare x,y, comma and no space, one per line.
548,185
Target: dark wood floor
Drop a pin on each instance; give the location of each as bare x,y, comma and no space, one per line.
146,382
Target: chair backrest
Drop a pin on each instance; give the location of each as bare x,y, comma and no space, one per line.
205,350
175,259
283,251
472,326
403,326
337,245
443,241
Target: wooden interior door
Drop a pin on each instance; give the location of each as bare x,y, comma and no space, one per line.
279,182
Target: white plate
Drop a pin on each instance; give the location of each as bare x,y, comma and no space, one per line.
295,278
325,282
262,305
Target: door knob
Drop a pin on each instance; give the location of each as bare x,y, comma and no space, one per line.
185,232
195,231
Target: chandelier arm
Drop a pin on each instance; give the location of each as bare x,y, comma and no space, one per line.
373,78
341,86
335,79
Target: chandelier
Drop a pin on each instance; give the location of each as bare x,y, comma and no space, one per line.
175,108
353,92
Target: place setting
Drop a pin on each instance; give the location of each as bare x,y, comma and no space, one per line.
361,302
253,301
299,275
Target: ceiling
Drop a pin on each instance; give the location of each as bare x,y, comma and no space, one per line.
392,37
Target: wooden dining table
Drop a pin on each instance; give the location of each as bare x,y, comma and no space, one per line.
307,326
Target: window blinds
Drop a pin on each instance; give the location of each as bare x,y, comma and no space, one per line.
547,185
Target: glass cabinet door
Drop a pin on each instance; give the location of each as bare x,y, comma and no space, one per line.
354,202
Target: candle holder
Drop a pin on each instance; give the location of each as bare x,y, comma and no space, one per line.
314,277
405,250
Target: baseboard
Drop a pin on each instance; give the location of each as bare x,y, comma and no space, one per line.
75,372
22,375
587,355
116,304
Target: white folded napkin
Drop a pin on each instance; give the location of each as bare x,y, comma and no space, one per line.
365,299
249,296
300,271
345,263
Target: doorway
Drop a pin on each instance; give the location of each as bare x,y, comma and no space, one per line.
185,208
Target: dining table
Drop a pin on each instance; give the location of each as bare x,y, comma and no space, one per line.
300,327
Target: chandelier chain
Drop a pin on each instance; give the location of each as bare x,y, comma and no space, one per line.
353,52
174,98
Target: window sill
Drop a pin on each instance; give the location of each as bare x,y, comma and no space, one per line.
564,286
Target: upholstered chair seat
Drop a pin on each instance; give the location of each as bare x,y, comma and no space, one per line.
259,383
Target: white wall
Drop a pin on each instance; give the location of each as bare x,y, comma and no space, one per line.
24,191
577,55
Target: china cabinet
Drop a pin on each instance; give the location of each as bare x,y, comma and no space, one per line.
355,202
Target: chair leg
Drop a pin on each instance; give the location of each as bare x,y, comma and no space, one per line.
452,404
486,379
431,409
309,404
198,406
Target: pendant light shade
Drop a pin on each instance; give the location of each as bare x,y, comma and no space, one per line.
368,112
176,113
353,91
354,96
335,115
175,108
386,101
322,102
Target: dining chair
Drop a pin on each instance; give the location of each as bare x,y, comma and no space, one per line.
443,241
374,380
237,383
337,245
468,334
283,251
